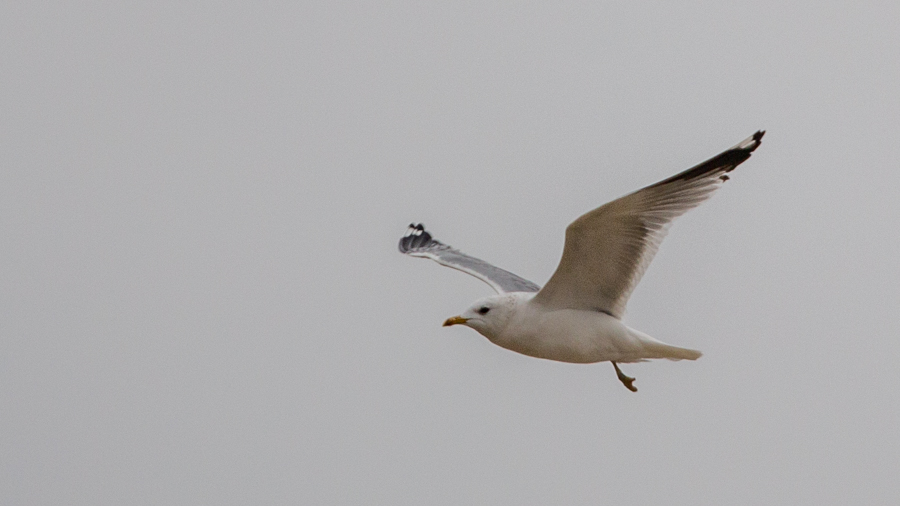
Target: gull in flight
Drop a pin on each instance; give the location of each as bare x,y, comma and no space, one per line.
577,315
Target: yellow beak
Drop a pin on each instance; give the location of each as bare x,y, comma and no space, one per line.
455,320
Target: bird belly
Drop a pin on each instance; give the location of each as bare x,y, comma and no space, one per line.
570,335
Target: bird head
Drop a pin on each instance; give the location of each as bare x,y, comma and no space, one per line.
488,316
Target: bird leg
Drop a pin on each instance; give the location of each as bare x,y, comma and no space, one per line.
627,381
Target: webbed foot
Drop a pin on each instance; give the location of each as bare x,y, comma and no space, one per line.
626,380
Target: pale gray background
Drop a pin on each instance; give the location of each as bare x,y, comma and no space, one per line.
203,303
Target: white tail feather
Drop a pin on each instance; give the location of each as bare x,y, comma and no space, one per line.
659,349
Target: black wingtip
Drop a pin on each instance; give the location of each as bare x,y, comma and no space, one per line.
745,147
721,163
414,238
753,142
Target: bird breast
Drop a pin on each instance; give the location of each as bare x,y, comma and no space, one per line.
566,335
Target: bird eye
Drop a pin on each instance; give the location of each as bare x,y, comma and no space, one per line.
484,310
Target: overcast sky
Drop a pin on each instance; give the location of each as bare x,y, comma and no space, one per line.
203,302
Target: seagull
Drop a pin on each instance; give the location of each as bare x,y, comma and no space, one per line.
577,316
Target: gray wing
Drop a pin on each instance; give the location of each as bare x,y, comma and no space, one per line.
608,249
418,242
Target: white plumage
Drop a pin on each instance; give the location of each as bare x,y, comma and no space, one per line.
576,316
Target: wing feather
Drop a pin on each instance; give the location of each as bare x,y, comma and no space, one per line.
418,242
608,249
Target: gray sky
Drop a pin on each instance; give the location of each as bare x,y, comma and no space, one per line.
203,302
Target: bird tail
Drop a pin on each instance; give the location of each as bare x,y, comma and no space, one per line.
658,349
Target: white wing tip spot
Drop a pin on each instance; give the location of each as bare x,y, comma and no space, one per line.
414,230
752,142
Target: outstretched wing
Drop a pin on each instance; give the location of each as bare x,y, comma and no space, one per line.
608,249
418,242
